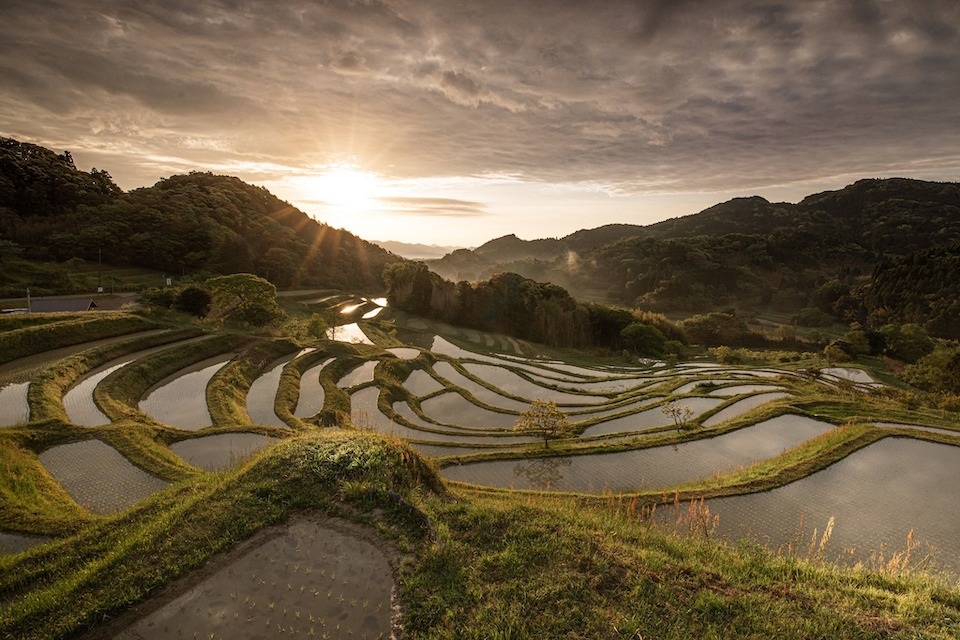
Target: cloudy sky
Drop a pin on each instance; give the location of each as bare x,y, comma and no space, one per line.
454,122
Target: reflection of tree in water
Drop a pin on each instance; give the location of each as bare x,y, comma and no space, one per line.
542,473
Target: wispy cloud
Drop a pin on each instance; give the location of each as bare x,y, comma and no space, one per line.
433,206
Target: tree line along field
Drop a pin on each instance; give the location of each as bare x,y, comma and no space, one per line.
369,421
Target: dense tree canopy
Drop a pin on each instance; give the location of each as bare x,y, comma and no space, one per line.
199,223
520,307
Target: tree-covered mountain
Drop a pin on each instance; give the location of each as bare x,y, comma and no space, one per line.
825,253
199,223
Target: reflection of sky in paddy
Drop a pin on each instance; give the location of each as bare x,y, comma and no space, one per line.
220,451
582,414
652,418
728,392
478,391
404,353
698,385
877,495
13,404
182,400
358,375
421,383
350,333
78,401
311,397
263,393
519,386
654,468
366,414
741,407
452,408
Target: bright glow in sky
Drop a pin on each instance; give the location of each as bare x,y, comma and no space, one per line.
454,122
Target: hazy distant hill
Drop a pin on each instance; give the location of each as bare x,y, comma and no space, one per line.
198,223
414,251
496,255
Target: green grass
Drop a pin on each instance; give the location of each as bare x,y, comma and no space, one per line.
477,563
521,567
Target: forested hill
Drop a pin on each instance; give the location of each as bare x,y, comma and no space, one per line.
822,254
198,223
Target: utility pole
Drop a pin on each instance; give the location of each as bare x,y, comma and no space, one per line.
99,270
29,309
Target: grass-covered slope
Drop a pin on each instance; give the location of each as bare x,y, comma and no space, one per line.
475,563
478,566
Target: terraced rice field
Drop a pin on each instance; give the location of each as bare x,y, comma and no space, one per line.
643,427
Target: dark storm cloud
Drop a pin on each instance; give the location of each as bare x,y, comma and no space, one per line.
646,96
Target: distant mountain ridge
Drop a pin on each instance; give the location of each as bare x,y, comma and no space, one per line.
198,223
820,254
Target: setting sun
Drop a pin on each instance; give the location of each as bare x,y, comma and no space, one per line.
344,188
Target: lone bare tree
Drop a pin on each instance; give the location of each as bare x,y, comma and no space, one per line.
681,414
544,420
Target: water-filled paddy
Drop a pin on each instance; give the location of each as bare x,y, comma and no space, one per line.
17,542
78,401
262,395
351,333
311,397
13,404
654,468
421,383
404,353
736,390
477,390
181,400
358,375
652,418
741,407
515,384
306,579
97,477
220,451
452,408
877,495
451,434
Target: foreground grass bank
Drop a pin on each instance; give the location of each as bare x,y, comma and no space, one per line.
477,565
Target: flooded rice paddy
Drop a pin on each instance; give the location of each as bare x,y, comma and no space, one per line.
181,400
220,451
470,401
97,477
359,375
311,396
13,404
642,469
263,392
308,579
877,496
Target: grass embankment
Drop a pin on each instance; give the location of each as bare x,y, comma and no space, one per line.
227,391
64,588
47,389
479,566
68,330
533,567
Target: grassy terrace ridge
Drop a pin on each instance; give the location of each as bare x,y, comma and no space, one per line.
475,562
477,566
